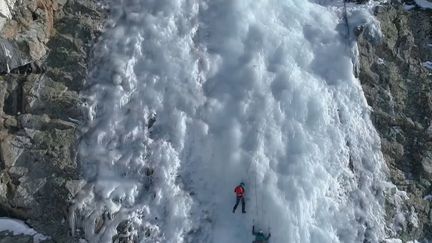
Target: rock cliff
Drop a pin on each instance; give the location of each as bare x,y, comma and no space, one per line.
44,49
398,86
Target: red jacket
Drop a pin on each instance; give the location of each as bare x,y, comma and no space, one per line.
240,191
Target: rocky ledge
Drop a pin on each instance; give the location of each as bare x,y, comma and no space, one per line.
397,82
44,48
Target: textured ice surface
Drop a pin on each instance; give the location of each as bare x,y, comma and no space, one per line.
255,91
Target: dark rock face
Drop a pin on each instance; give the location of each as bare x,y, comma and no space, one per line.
44,49
398,87
8,238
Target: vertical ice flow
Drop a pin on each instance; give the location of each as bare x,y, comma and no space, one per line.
255,91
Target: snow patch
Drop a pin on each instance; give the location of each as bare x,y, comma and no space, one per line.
399,241
393,241
428,64
424,4
413,218
18,227
6,7
405,215
408,7
428,198
371,26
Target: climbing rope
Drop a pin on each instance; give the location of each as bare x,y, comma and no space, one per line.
259,195
345,16
256,189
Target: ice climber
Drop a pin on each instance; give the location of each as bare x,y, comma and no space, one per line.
240,193
260,236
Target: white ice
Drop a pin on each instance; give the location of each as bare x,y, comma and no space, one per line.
408,7
18,227
393,241
428,64
255,91
424,4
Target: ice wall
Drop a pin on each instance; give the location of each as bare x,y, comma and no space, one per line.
255,91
